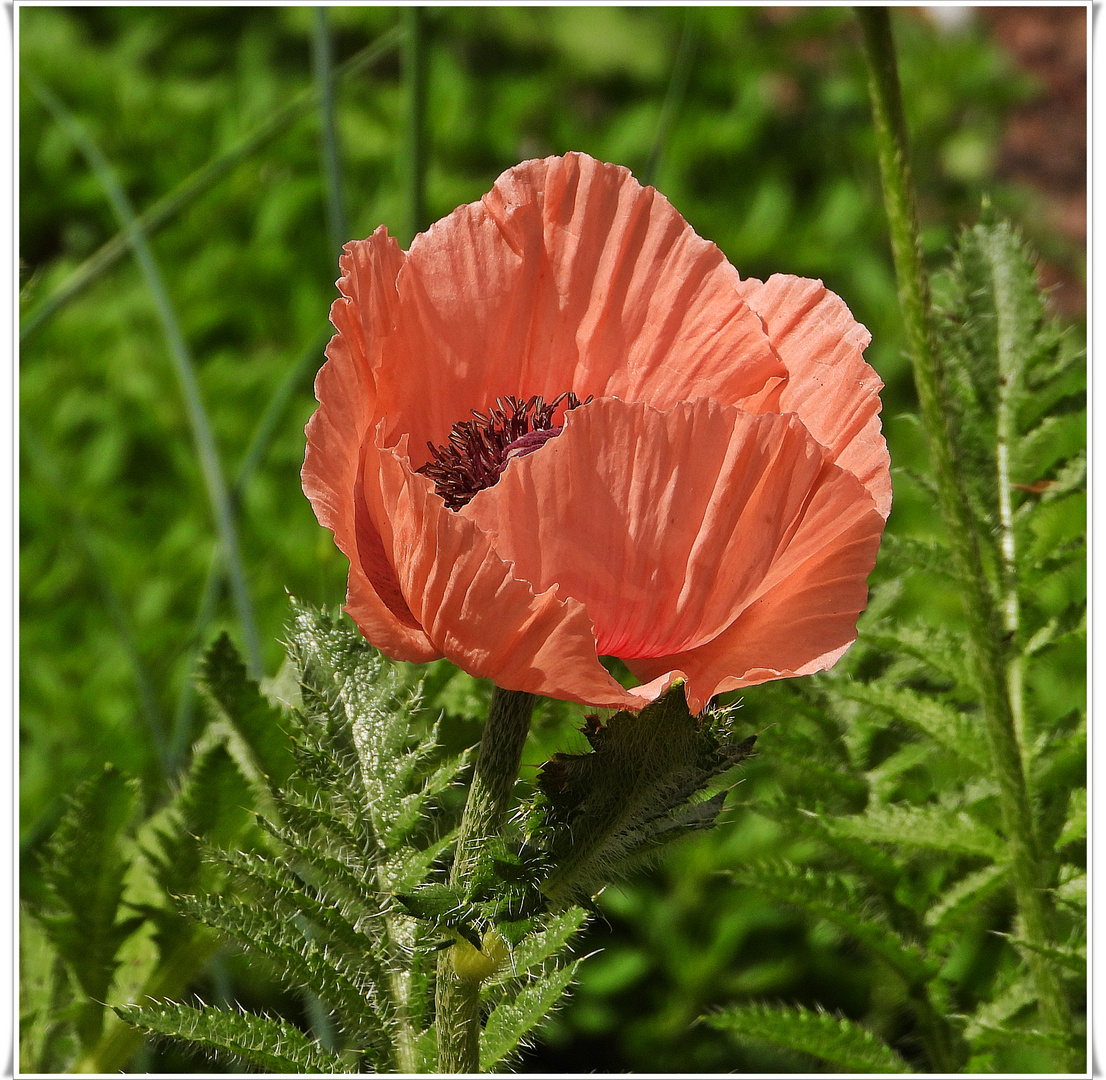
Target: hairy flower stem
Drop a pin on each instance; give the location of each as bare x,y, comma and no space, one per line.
493,780
987,638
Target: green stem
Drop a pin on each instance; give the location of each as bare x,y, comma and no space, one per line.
414,147
987,642
493,781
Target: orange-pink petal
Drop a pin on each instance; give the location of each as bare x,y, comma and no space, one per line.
667,525
335,433
567,275
803,620
831,387
472,607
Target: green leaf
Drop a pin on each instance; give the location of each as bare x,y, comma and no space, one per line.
963,735
269,1045
545,943
831,897
47,1040
936,647
840,1042
241,703
214,804
513,1019
908,555
963,897
298,959
84,870
992,335
1073,958
930,827
446,910
1075,828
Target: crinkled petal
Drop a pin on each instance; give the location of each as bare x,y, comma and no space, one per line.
831,387
805,618
668,525
345,390
567,275
473,608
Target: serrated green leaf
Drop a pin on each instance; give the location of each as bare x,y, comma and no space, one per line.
937,648
446,910
409,867
930,827
1055,439
213,803
298,959
513,1019
952,729
270,1045
831,897
241,703
1073,959
907,554
286,895
543,944
1075,827
991,335
84,870
840,1042
47,1039
970,890
1056,523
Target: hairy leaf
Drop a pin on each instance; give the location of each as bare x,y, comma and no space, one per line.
84,870
840,1042
930,827
834,898
267,1044
240,701
952,729
514,1018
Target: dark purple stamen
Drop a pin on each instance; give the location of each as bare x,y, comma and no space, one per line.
478,450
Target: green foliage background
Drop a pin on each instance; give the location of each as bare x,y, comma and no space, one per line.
762,140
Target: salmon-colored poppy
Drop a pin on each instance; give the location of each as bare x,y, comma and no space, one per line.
562,427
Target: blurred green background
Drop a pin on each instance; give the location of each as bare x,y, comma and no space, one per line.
754,122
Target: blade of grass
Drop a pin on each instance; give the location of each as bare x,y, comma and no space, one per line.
203,440
414,146
209,596
674,96
171,205
49,475
322,64
986,633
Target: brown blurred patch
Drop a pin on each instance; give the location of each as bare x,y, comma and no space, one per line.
1044,144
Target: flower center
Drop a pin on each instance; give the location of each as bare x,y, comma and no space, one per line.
478,450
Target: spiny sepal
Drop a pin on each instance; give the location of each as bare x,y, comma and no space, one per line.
643,784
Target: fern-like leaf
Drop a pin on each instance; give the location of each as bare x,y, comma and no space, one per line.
268,1045
929,827
943,723
84,871
841,1043
834,898
517,1015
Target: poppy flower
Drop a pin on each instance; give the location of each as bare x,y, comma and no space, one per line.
561,427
